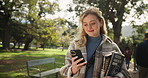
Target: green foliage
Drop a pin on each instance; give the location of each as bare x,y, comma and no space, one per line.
140,30
113,10
143,7
110,33
25,20
124,42
46,32
134,39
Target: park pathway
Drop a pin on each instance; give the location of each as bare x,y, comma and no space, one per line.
132,73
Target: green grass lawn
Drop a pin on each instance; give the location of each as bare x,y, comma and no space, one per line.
13,63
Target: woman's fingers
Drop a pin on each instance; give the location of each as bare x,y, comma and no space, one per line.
73,59
75,65
77,61
81,64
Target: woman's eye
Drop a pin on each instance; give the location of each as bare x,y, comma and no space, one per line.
84,24
93,23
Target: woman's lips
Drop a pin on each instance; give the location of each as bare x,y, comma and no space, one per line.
90,30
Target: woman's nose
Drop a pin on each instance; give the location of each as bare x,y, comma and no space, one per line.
89,26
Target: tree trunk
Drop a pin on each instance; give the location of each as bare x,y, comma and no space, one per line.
37,44
6,38
62,47
6,32
117,31
44,45
19,45
27,43
116,37
14,44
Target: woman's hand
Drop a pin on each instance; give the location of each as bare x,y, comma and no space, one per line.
75,66
110,77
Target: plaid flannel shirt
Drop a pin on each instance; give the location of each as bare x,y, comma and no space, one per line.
106,45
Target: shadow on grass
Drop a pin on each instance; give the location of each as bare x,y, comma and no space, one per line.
4,76
13,64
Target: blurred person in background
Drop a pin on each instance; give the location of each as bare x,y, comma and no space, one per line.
128,54
142,57
134,57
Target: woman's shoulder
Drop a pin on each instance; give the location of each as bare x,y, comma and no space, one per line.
75,42
107,38
109,43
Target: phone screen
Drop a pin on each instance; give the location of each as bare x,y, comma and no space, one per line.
77,53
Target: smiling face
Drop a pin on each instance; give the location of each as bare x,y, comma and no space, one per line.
91,25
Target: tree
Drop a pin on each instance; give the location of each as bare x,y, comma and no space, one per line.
113,10
64,37
139,33
37,9
28,11
18,33
47,31
7,8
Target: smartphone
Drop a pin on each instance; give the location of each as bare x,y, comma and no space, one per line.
78,53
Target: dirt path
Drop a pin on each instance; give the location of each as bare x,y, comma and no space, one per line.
132,73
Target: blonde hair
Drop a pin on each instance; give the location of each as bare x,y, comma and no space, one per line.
98,14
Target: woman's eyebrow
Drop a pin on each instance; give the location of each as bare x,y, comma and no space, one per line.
92,20
89,21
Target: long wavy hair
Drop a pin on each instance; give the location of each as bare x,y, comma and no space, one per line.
82,34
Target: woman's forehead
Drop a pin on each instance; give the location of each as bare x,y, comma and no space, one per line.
89,18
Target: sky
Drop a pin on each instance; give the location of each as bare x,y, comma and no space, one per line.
63,6
64,14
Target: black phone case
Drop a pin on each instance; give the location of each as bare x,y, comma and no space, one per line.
77,53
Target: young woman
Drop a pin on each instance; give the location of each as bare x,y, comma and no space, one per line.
92,41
